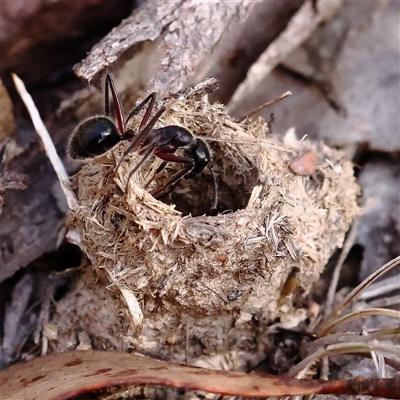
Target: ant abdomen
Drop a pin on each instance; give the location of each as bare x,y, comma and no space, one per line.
92,138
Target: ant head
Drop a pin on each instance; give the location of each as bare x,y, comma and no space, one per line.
201,156
202,153
92,138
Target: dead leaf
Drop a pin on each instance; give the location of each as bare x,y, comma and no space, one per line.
65,375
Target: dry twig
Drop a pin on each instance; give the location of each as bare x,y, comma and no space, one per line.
47,143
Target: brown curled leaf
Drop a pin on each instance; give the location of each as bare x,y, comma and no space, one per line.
65,375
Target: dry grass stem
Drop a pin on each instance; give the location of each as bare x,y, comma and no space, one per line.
361,314
348,244
47,144
385,302
382,287
334,282
300,370
324,327
345,337
264,106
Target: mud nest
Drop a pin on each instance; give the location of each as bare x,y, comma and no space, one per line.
222,274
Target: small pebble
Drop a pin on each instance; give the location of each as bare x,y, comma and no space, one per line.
305,164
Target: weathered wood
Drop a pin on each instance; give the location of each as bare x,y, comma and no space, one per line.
165,44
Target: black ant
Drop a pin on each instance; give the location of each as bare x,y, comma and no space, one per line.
98,134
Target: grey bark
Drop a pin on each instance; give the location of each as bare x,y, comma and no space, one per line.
165,44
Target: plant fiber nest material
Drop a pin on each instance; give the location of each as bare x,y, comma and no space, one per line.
217,272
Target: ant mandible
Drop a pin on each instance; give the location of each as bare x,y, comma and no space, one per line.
98,134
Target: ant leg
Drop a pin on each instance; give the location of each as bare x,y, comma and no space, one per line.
140,137
139,164
170,185
144,132
168,157
150,98
164,156
110,86
157,171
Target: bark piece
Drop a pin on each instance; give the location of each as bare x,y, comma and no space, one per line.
164,44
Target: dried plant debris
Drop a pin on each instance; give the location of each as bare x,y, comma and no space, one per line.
7,122
9,180
194,286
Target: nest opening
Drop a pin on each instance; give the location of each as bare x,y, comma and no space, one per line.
194,196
